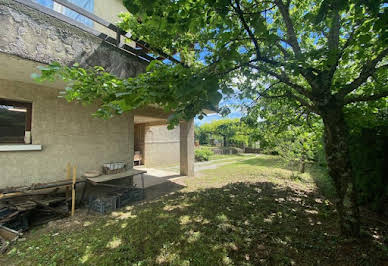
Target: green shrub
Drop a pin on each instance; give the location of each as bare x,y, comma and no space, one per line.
369,156
203,154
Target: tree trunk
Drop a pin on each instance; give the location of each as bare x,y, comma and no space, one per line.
225,142
302,164
340,170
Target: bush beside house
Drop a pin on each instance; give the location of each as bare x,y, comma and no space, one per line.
203,154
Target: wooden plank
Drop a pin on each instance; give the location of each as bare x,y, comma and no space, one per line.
104,178
9,217
108,185
22,194
52,200
73,191
8,233
41,204
34,187
68,178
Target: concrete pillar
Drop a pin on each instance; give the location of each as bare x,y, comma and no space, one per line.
131,137
187,148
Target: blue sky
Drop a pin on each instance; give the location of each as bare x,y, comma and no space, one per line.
233,103
212,117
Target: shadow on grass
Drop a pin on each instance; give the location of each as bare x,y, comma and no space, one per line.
240,224
158,190
272,161
318,173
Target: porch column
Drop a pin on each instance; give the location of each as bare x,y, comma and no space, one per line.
131,137
187,148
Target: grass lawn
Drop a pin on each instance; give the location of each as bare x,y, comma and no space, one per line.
245,213
227,156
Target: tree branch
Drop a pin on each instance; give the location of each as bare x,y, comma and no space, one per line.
340,54
270,86
289,95
367,71
251,35
286,80
292,40
235,67
240,14
333,38
291,35
365,98
284,51
333,44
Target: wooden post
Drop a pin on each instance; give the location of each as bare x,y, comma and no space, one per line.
68,173
142,185
73,191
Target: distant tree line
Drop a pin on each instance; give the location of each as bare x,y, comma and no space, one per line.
228,132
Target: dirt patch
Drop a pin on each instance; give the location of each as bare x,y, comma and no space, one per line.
77,222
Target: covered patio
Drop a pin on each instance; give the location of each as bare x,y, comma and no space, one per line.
160,147
159,182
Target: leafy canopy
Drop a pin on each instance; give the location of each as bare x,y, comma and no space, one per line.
309,51
294,133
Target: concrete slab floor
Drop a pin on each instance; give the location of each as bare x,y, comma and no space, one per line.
159,182
156,176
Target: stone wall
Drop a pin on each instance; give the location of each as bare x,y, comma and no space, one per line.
67,132
31,34
161,146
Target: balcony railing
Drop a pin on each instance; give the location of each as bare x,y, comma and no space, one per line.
141,50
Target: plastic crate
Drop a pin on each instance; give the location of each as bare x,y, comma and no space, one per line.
111,202
134,194
104,204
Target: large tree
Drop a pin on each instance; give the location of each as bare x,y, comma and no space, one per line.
287,129
325,55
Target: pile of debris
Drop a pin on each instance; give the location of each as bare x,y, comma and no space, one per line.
24,207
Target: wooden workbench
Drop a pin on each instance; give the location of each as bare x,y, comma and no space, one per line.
100,180
105,178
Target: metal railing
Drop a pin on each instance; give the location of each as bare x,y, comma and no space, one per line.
142,49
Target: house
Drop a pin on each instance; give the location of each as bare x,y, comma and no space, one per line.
40,132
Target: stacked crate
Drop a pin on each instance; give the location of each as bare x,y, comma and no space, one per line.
112,201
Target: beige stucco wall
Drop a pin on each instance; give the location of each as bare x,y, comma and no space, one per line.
109,11
67,132
161,146
139,139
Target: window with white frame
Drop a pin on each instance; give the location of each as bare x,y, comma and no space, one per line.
15,122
